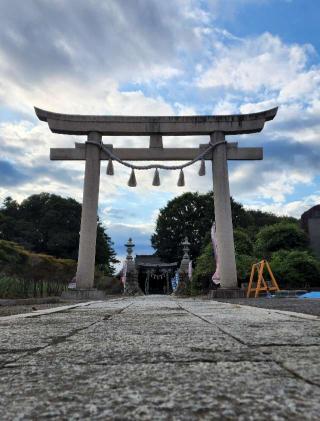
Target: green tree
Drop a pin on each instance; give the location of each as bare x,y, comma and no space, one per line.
190,214
50,224
259,218
105,254
282,236
295,269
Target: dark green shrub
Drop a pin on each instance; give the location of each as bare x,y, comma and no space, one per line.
12,253
204,268
242,242
11,287
109,284
283,236
25,274
205,265
244,265
295,269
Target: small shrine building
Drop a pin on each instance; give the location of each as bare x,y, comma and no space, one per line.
154,275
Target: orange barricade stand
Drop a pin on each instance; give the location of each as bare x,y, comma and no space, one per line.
261,284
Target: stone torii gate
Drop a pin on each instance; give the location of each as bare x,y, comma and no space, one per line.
217,127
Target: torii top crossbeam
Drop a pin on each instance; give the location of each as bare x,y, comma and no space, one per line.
166,126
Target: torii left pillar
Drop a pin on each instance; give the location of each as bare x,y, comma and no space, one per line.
89,216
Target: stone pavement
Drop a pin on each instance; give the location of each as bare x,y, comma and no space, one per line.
160,358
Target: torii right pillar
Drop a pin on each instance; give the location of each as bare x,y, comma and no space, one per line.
223,216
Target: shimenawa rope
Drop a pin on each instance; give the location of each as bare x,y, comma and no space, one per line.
156,178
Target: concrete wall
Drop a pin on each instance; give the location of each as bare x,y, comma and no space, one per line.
314,234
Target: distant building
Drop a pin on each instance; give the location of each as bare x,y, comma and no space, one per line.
310,223
154,275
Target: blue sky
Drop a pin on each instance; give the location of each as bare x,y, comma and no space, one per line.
146,57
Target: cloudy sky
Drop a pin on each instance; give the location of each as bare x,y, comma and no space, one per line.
151,57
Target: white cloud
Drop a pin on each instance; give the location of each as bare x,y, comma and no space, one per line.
254,64
225,106
70,55
304,84
66,96
260,180
292,208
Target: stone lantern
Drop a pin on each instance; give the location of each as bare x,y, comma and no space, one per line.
130,263
129,244
186,258
132,283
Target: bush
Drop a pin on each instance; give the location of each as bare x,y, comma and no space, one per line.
204,268
295,269
244,265
205,265
24,274
283,236
242,242
109,284
13,287
12,255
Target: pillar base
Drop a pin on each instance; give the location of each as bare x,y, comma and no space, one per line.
226,293
83,294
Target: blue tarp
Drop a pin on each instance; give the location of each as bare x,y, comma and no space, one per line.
312,294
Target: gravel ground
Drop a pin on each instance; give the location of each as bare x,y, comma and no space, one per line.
297,305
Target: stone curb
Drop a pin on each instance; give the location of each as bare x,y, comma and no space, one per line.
29,301
46,311
286,313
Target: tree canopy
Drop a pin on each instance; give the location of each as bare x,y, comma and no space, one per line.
189,215
192,214
50,224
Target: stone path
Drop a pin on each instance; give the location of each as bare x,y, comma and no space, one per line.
160,358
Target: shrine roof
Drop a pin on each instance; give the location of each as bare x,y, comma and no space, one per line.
147,260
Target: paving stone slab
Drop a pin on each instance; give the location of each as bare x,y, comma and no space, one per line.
39,331
242,391
295,334
160,358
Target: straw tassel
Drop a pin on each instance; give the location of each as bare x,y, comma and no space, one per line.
132,180
181,179
156,178
202,169
110,170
